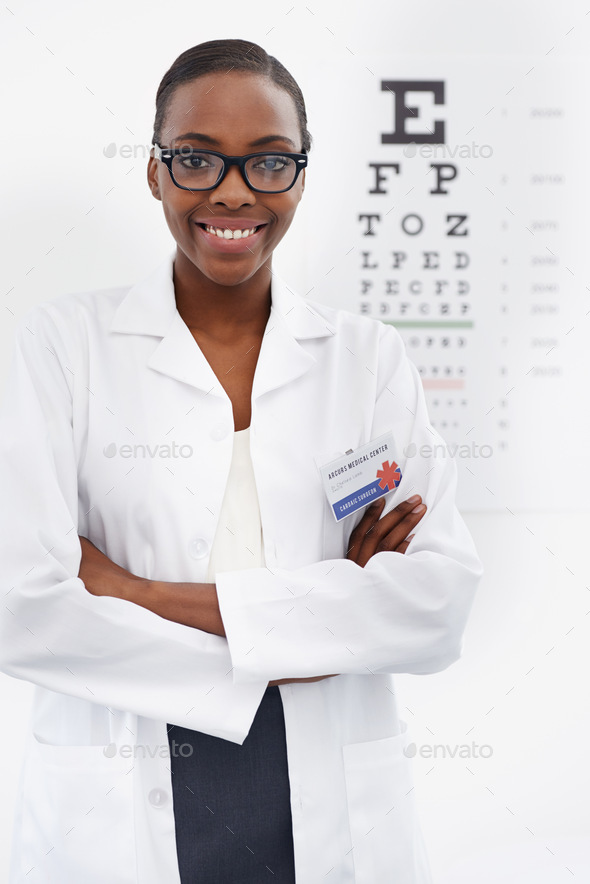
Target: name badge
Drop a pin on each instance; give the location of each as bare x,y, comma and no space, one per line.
360,477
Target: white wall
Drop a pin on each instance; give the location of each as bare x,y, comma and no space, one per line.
83,76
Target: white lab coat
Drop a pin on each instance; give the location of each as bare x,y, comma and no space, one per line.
98,371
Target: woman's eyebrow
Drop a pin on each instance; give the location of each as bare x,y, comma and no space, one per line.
266,139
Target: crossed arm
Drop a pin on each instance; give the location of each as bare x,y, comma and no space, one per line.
197,605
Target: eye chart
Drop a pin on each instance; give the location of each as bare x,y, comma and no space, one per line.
447,196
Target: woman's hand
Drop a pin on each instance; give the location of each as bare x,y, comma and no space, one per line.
100,575
374,534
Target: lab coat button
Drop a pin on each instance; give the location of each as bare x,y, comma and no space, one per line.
158,797
198,548
220,431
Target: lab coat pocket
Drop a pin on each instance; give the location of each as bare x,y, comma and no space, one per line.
386,842
78,818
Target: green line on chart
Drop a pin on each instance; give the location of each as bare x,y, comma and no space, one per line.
426,323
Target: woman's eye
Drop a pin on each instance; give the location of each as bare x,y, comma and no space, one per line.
194,161
272,164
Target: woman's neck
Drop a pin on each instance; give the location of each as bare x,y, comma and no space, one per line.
223,312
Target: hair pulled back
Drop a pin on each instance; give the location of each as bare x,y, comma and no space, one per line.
227,55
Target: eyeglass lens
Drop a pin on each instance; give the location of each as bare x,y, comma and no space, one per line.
199,169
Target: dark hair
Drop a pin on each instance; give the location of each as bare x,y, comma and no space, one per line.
227,55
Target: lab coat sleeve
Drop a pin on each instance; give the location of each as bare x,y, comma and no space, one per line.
53,632
400,613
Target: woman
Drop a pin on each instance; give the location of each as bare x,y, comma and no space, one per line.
211,647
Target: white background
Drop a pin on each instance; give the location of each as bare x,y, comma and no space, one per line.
78,77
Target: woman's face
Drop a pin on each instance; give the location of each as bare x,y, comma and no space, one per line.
228,113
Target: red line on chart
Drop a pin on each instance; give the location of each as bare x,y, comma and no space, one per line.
442,384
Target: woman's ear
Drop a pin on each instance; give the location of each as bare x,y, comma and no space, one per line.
152,178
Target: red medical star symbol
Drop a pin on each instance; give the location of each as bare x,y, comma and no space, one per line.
389,475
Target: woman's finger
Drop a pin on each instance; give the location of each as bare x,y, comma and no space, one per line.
402,547
370,530
388,541
387,532
392,538
370,516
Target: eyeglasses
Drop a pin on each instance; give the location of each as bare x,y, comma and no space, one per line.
193,169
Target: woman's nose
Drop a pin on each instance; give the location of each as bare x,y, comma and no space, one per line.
233,190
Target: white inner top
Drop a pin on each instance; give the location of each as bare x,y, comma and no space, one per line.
238,540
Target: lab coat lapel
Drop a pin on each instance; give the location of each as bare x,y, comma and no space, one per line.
179,356
149,308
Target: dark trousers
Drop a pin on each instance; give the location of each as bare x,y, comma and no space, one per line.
232,803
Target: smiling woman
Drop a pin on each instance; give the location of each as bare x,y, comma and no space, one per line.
231,99
220,100
210,615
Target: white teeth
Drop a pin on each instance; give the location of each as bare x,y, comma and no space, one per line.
229,234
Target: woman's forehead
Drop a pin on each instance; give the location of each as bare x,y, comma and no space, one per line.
222,100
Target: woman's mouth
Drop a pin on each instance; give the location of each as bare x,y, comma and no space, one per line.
230,240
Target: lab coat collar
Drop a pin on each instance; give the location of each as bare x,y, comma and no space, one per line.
149,308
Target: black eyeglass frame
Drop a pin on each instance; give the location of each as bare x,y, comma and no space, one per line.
166,155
